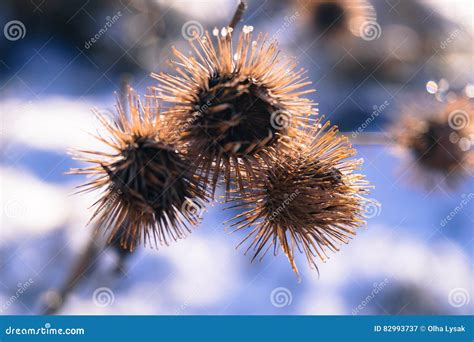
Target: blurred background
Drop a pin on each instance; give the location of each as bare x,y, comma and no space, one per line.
368,61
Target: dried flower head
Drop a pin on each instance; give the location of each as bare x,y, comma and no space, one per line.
440,142
337,16
234,103
149,192
309,200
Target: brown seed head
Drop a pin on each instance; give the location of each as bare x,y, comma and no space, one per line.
309,199
234,103
441,143
149,192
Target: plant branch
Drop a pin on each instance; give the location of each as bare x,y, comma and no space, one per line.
80,267
239,12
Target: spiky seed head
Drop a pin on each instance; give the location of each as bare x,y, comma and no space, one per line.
234,103
440,141
149,193
309,200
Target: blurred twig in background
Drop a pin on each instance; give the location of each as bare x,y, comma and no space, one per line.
238,13
55,299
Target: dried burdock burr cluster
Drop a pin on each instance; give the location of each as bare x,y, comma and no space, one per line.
309,198
149,192
234,115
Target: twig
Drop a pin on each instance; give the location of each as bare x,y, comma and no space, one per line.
93,248
82,265
125,81
239,12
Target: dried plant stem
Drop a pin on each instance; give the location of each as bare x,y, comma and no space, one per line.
81,266
125,81
92,249
239,12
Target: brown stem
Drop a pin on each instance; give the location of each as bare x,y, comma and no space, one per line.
57,298
239,12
